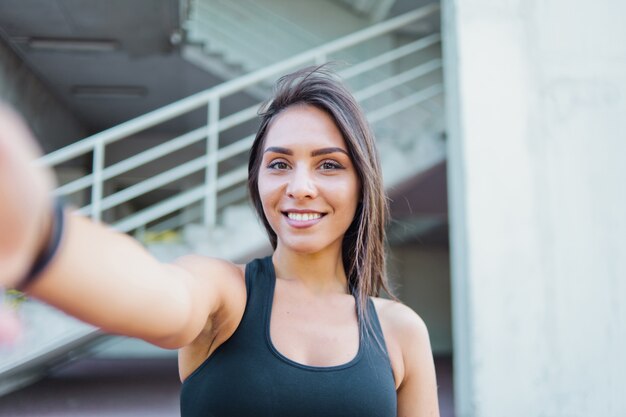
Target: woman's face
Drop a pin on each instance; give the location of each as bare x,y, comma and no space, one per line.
308,185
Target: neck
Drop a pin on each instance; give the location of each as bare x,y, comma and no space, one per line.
321,272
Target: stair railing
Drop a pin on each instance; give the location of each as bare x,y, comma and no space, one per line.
213,184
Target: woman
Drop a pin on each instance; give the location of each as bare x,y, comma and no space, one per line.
295,334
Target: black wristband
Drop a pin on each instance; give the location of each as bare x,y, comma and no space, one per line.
51,248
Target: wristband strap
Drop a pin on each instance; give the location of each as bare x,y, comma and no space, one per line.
47,254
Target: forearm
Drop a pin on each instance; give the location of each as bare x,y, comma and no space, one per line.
97,275
109,280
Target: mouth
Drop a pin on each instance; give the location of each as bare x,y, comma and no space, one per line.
301,219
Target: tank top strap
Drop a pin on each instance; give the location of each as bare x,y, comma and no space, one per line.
373,315
258,277
373,339
258,281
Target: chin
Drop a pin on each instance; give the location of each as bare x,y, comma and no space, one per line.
304,246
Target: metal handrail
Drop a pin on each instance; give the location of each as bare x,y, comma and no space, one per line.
216,125
227,88
398,79
390,56
405,103
135,161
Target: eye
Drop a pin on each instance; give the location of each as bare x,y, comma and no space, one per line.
280,165
330,165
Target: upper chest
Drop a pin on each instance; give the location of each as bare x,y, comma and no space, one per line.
313,331
293,355
324,331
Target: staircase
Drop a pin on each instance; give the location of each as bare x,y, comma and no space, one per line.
187,193
233,38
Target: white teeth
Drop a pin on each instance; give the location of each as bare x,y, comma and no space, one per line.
303,217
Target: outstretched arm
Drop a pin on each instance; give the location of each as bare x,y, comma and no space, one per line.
98,275
109,280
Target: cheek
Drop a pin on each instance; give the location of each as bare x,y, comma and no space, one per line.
344,195
355,195
269,193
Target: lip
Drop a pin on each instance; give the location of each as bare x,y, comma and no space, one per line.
301,211
302,224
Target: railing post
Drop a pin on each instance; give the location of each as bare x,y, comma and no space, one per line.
208,191
210,198
96,187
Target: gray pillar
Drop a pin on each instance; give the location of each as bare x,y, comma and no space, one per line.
537,172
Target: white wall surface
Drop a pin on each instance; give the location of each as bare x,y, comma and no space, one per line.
537,164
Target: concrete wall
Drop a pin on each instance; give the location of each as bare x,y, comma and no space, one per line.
49,119
421,277
537,150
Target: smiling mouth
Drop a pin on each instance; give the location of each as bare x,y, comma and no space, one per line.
303,217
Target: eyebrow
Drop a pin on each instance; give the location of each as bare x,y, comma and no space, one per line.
317,152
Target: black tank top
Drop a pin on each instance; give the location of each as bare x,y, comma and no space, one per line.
246,376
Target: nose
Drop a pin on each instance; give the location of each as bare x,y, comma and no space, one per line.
301,185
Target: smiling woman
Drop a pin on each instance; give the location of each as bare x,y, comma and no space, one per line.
306,179
312,112
302,332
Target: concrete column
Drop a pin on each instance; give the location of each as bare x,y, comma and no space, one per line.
537,166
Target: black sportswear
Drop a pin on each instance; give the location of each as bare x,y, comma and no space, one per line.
246,376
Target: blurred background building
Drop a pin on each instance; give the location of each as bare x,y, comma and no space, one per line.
146,111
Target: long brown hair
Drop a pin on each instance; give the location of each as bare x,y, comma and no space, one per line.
363,248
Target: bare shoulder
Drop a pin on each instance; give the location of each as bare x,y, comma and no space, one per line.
199,264
417,385
406,336
406,325
222,280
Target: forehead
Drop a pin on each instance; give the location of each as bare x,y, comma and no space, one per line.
304,125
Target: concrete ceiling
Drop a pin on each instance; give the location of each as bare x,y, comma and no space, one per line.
137,68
